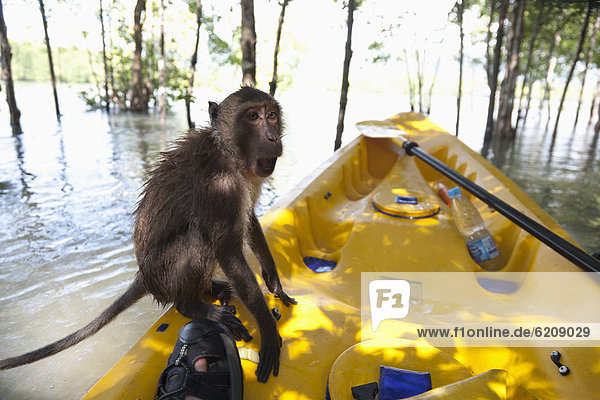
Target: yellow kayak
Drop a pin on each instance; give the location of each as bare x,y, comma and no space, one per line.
344,225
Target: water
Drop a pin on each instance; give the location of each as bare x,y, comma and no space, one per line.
562,176
67,192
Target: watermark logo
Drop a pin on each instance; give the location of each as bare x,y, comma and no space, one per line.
389,299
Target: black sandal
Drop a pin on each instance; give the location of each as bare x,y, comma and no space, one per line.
202,338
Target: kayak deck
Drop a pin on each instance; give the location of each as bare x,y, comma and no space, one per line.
331,217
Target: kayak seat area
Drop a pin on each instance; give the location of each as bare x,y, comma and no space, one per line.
450,379
516,246
325,216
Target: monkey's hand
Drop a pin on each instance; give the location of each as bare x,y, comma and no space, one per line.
226,316
222,291
269,358
274,286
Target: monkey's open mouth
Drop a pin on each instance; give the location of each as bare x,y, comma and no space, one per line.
267,165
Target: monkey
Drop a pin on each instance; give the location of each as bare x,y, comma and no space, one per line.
196,212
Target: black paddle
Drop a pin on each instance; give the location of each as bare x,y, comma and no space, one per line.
568,250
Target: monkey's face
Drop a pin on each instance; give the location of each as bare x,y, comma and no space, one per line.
262,138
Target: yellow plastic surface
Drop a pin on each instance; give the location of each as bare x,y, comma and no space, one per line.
344,227
495,384
360,364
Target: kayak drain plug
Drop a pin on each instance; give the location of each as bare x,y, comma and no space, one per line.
276,313
555,357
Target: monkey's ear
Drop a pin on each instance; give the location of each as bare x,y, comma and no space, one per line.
213,113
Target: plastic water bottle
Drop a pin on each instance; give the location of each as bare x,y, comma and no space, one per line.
480,243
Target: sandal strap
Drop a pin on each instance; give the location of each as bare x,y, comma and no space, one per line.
196,385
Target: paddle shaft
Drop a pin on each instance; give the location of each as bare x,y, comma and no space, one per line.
560,245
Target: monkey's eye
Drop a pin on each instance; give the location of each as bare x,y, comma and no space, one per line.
253,115
272,115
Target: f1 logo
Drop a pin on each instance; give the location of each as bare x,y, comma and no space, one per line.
389,299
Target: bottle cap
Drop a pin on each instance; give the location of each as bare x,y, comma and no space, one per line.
454,192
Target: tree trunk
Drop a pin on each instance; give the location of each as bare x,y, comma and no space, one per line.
573,65
595,100
50,62
411,87
597,126
493,84
588,58
430,91
106,95
529,90
459,14
273,83
5,62
527,81
248,43
556,39
139,100
488,39
345,82
162,71
114,96
420,80
190,88
504,128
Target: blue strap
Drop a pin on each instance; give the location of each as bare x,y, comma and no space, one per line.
397,383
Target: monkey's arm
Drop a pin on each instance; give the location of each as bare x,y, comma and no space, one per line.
259,246
240,274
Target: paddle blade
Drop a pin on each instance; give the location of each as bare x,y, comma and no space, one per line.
381,129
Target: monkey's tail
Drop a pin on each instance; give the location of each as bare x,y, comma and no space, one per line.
134,293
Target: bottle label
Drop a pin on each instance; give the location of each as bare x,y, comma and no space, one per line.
483,250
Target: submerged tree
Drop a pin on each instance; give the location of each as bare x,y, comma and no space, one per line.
104,60
345,83
273,83
427,105
420,83
248,43
528,79
139,93
493,71
588,59
573,65
50,62
411,86
595,100
162,70
460,9
5,62
503,127
194,60
549,76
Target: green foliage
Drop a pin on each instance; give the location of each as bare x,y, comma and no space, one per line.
120,57
220,50
564,18
30,63
380,55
